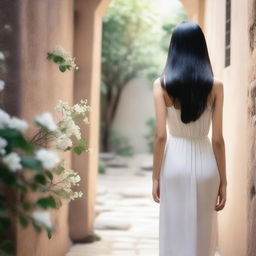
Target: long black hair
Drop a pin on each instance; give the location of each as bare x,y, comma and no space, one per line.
188,76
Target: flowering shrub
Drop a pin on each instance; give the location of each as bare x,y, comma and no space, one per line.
63,58
32,168
28,166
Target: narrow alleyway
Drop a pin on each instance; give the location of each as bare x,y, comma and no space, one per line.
127,216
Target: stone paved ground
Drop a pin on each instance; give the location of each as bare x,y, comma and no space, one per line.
127,216
127,219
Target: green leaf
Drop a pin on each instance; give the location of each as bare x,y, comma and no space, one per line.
49,233
5,223
47,202
40,178
16,140
58,59
81,147
34,186
3,210
24,221
7,177
26,206
59,169
58,203
50,56
49,175
7,248
31,163
20,187
62,193
62,68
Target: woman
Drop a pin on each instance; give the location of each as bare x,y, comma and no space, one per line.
189,170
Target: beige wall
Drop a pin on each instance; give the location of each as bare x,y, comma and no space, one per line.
233,219
45,23
135,108
87,49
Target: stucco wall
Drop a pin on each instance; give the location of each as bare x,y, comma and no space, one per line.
44,24
135,108
233,219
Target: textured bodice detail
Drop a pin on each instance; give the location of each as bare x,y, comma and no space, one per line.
197,129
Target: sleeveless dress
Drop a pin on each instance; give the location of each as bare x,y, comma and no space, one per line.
189,183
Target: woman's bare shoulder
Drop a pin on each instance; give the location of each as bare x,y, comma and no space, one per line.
217,84
217,87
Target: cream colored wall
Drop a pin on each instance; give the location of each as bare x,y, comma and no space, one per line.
44,24
232,220
136,106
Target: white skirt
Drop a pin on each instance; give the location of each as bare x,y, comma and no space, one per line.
189,183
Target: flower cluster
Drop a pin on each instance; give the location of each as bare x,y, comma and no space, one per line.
7,122
67,179
60,56
68,128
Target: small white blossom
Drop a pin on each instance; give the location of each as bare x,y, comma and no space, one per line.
43,218
18,124
76,195
2,57
68,126
63,142
86,120
49,159
89,150
8,27
12,161
2,85
46,120
3,144
4,119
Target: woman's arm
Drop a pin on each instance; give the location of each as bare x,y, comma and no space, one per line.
217,136
160,135
218,143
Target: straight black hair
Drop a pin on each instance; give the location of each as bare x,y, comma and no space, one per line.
188,76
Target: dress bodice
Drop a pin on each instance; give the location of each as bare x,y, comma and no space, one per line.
196,129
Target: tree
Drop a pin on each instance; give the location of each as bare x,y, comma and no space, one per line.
130,47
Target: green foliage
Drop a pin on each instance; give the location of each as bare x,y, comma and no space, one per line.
120,144
16,140
31,163
7,248
81,147
130,45
47,202
151,125
102,169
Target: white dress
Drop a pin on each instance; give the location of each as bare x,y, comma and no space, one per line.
189,182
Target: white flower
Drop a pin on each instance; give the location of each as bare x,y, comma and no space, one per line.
46,120
89,150
12,161
3,144
8,27
63,142
2,57
76,195
4,119
43,218
78,109
68,126
2,85
49,159
18,124
86,120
